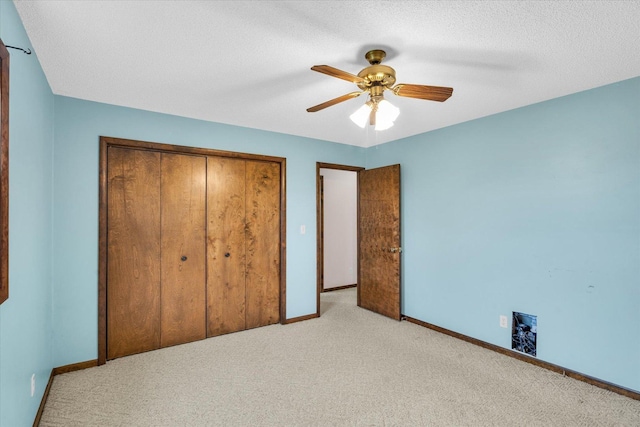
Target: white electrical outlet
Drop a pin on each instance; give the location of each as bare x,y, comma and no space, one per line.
33,384
504,322
303,229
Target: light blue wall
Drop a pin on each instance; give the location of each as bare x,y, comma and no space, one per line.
78,126
25,318
534,210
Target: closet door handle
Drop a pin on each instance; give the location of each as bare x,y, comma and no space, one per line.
227,255
183,258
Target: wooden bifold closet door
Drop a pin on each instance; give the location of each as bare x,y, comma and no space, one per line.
243,245
193,247
156,250
183,256
133,268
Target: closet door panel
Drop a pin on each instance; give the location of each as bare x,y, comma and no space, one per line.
183,276
226,245
133,251
263,243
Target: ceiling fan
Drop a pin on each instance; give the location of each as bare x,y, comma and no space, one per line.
374,80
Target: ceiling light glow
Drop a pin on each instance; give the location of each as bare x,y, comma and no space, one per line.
385,114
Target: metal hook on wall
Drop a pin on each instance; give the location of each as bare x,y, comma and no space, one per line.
27,51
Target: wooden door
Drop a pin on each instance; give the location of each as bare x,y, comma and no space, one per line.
379,235
183,272
243,238
262,243
190,245
226,207
133,251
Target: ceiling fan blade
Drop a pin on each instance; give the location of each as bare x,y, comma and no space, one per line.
334,72
334,101
430,93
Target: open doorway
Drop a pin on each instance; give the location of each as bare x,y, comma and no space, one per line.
337,216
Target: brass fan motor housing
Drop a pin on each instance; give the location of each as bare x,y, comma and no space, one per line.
377,76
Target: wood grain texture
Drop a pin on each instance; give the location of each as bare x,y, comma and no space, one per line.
109,143
102,253
4,173
283,239
262,243
183,272
334,72
133,256
430,93
182,149
334,101
226,246
379,231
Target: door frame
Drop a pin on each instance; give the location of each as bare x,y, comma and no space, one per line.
320,226
105,143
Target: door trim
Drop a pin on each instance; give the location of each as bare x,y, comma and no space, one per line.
105,143
320,228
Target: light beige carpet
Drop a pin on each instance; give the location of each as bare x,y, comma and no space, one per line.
350,367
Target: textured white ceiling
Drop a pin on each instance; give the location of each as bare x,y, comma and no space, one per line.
247,63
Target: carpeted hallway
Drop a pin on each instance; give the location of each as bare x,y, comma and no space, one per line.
350,367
